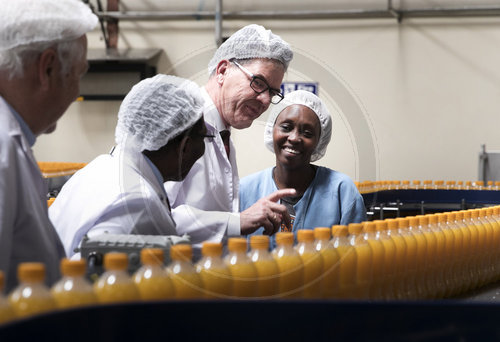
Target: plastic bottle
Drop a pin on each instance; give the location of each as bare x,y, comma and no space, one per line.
410,258
73,290
388,288
313,263
458,268
348,261
431,269
31,296
151,279
214,273
440,260
243,271
401,288
115,285
363,260
290,265
449,257
427,184
489,246
482,247
420,281
6,312
331,262
268,284
187,282
370,235
474,256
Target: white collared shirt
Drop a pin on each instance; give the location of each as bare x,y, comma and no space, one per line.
206,204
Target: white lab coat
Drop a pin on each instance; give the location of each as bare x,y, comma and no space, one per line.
206,204
26,233
116,193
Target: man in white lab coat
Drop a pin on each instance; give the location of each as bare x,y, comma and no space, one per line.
42,57
159,135
246,73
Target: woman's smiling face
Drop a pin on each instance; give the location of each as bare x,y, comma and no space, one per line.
296,134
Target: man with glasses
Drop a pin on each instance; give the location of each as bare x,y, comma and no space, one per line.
245,76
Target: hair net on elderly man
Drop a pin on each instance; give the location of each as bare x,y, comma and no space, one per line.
308,99
24,22
252,41
156,110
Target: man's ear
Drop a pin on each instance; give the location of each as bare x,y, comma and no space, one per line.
221,70
46,67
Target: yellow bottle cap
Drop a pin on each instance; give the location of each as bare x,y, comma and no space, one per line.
115,261
423,220
468,183
322,233
497,183
459,215
489,211
413,221
181,252
392,224
450,182
490,183
451,217
259,241
433,219
479,183
339,231
369,227
354,228
380,225
237,245
31,272
152,256
73,268
305,235
396,182
427,181
467,215
403,222
474,213
441,217
284,238
439,182
211,249
406,182
416,182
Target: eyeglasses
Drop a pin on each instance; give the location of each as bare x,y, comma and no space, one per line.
259,85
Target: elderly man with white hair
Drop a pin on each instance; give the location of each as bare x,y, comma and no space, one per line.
43,55
159,135
298,132
245,76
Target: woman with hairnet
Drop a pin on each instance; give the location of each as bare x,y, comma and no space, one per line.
298,132
159,135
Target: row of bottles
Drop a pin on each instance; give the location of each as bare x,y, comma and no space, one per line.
374,186
421,257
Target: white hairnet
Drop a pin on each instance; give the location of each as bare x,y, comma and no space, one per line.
156,110
252,41
24,22
308,99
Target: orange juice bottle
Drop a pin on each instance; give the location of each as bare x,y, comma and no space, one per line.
410,257
242,269
482,244
115,285
371,236
421,264
449,254
313,263
491,216
388,290
268,284
489,246
467,252
331,262
151,279
458,256
441,261
290,266
31,296
348,261
475,257
363,260
187,282
214,272
6,312
73,289
431,271
401,289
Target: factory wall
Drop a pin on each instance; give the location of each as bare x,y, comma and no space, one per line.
410,100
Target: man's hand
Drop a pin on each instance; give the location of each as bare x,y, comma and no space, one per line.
266,213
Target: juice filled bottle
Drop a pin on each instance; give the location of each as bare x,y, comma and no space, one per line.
388,289
242,269
457,262
482,245
313,263
115,285
6,312
31,296
474,258
400,286
214,273
410,283
73,289
441,261
449,253
290,265
489,245
187,282
492,215
348,261
151,279
363,260
331,262
268,284
421,263
371,236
